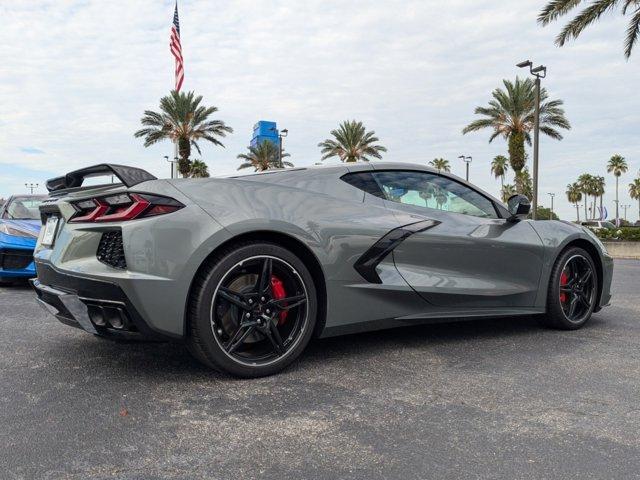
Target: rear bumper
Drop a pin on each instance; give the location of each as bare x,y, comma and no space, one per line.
95,306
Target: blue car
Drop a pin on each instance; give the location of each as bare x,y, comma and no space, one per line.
19,229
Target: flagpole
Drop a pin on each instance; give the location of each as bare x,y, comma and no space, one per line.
176,51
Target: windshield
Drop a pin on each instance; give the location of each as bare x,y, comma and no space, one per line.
608,225
23,208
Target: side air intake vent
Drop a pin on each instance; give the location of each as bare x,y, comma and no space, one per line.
110,250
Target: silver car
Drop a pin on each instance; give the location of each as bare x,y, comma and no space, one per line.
246,270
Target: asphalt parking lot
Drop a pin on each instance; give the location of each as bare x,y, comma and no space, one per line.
489,399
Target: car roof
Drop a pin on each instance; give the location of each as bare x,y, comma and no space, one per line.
342,167
352,167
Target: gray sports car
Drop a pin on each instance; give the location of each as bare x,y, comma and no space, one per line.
247,269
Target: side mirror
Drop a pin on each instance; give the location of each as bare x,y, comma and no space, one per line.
519,207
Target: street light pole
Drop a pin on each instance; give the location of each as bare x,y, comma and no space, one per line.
539,72
551,213
31,187
166,157
466,160
171,163
281,134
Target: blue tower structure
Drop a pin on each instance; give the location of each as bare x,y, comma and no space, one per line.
265,130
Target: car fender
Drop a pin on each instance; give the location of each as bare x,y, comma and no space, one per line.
556,236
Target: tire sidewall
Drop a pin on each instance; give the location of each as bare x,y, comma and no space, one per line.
212,350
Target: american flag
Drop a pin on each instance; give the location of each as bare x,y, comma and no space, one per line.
176,49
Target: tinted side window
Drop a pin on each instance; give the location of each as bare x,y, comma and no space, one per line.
428,190
364,181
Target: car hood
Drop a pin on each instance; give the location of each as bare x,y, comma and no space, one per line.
31,226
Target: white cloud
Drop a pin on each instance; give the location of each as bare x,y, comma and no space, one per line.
77,75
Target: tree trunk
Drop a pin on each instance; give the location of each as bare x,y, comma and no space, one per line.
516,151
586,200
601,210
577,213
617,202
184,150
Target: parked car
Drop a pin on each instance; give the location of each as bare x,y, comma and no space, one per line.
19,228
247,269
598,224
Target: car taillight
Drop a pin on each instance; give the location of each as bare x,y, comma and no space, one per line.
123,207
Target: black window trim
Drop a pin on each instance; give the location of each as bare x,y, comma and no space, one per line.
499,214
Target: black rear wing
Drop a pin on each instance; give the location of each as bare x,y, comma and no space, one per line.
129,176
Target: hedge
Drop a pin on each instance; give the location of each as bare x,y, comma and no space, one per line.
623,234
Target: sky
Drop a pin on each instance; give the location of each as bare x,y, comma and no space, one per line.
76,76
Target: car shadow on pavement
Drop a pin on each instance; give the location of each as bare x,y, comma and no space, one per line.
167,360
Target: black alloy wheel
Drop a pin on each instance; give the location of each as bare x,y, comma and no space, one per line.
573,290
577,292
258,310
254,311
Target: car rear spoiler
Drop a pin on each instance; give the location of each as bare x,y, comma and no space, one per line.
129,176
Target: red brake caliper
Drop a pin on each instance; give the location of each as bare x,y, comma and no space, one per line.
564,279
277,287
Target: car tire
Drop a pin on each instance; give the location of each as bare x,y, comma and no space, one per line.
220,315
573,290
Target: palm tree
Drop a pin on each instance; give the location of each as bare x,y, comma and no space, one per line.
265,156
617,165
507,191
199,169
511,116
499,167
592,12
183,121
524,184
351,143
574,195
599,186
634,191
427,193
440,164
592,189
441,197
586,186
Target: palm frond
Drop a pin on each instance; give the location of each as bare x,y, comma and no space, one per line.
551,132
245,165
585,18
555,9
633,31
195,145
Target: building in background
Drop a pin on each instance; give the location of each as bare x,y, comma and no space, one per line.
265,130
